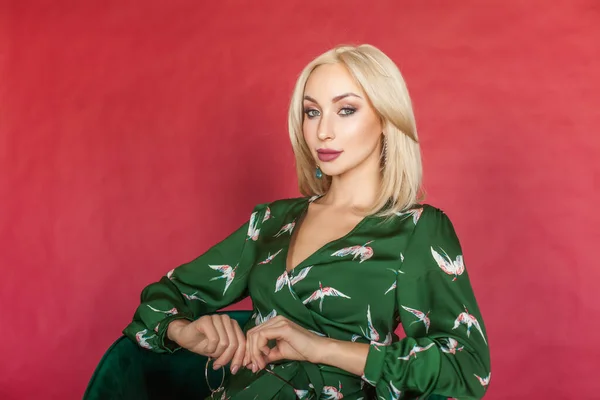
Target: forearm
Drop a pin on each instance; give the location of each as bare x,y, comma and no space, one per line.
346,355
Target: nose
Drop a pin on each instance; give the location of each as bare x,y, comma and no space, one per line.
325,130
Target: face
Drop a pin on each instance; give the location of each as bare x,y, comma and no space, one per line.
340,127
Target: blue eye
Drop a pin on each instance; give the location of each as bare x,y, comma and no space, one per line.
311,113
347,111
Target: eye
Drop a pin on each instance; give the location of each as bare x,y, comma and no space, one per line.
347,111
311,112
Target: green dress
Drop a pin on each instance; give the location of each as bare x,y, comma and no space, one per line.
408,269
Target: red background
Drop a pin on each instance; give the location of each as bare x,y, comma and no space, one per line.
135,134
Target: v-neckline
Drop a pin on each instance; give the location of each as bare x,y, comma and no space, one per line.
301,215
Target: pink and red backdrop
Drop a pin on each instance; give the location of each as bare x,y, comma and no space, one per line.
134,135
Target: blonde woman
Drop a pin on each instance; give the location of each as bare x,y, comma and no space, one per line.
332,274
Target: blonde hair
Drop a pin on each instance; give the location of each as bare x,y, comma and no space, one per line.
386,90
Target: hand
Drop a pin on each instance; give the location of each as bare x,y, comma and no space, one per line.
293,342
216,336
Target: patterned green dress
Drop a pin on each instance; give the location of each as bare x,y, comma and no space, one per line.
408,269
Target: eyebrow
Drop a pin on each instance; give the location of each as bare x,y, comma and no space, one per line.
336,98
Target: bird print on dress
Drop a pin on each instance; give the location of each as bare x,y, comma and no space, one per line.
422,317
270,258
332,393
394,392
259,319
301,394
484,381
370,382
313,282
469,320
227,273
267,214
364,252
395,271
285,279
451,346
143,341
416,349
193,296
371,333
253,230
168,313
287,228
323,292
456,267
415,213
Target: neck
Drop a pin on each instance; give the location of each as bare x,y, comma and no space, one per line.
355,189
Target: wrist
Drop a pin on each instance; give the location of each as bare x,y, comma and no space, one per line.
326,350
175,327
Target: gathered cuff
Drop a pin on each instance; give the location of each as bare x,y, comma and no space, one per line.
374,364
161,331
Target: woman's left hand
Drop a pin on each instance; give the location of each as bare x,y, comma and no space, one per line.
293,342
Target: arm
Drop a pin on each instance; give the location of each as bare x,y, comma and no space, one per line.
212,281
445,350
440,354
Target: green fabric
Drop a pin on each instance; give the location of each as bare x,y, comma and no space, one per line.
128,372
407,269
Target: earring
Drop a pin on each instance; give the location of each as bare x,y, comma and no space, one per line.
385,149
318,173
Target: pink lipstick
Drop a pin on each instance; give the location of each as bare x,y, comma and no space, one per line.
328,154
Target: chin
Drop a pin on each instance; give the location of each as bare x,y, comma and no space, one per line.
333,171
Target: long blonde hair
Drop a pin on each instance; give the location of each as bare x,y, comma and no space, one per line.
382,82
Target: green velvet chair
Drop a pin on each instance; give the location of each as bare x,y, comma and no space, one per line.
128,372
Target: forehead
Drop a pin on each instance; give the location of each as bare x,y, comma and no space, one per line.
330,80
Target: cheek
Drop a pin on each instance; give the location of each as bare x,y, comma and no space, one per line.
362,133
308,133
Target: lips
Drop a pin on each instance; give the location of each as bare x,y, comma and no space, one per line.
328,154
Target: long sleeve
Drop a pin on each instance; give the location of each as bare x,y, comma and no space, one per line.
212,281
445,351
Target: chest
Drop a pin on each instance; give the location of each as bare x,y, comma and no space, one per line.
317,230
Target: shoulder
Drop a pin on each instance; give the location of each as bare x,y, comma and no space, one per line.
279,207
434,231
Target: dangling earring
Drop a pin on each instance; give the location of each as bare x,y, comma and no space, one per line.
318,173
385,150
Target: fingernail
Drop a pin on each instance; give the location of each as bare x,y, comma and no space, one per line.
253,368
234,370
216,366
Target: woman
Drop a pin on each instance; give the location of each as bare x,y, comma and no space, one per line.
332,274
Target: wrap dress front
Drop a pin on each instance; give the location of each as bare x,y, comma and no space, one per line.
408,269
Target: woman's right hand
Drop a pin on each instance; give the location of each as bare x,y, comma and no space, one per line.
216,336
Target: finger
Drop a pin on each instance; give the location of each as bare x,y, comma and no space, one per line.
274,355
255,354
250,339
280,332
240,352
204,326
223,341
259,344
247,358
228,353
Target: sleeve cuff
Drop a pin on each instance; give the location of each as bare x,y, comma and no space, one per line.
161,330
374,364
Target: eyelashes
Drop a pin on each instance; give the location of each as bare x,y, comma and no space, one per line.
343,112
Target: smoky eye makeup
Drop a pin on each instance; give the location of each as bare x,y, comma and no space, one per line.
311,112
347,110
